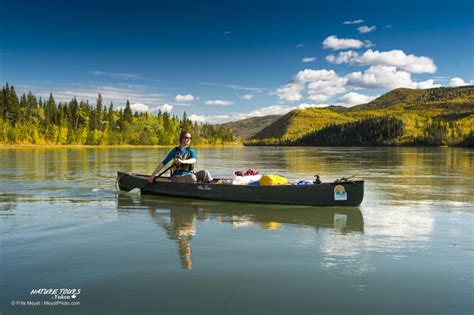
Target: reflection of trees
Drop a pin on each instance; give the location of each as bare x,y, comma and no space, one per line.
415,173
304,162
8,202
426,174
71,163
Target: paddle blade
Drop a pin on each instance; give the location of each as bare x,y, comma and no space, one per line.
135,191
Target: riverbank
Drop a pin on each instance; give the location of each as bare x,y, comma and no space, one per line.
111,146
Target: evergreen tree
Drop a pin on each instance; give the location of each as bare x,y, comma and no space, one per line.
98,112
49,111
127,113
31,104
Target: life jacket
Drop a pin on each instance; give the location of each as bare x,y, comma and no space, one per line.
182,166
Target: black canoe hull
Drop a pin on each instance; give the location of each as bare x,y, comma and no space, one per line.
314,195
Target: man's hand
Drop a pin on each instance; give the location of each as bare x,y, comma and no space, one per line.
178,161
151,179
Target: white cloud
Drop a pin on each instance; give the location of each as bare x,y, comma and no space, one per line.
139,107
343,57
219,102
454,82
353,98
380,77
116,75
322,84
428,84
308,75
299,45
386,77
289,92
264,111
118,93
368,44
247,97
322,90
366,29
399,59
210,118
164,108
395,58
353,22
334,43
309,59
184,98
270,110
142,108
309,105
318,97
235,87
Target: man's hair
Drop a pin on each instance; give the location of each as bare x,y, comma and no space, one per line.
182,134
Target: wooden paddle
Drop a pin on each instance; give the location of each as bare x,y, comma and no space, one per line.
140,190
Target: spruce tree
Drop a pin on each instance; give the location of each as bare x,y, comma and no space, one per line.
98,112
127,113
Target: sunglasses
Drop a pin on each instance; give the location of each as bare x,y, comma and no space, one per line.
187,138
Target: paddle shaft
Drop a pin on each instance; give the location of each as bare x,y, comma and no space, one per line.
148,184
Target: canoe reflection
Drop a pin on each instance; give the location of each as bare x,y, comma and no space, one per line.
178,217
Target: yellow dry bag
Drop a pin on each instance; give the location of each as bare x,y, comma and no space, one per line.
269,180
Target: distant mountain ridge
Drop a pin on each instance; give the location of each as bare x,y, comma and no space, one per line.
438,116
245,128
429,97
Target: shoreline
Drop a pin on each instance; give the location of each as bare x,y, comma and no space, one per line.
122,146
142,146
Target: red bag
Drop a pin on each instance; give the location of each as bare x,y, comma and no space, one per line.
249,172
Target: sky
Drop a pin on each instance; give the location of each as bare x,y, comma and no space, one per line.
226,60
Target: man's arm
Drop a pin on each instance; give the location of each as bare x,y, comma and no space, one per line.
155,173
191,160
168,158
188,161
157,169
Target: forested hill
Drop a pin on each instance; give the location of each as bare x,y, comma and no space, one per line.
246,128
26,119
439,116
460,97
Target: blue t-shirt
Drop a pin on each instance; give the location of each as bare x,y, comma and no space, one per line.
170,156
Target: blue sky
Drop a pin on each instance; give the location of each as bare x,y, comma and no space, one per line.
225,60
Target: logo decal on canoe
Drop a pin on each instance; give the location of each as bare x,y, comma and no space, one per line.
340,193
204,187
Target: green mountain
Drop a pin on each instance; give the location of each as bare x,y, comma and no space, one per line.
299,122
439,116
459,97
246,128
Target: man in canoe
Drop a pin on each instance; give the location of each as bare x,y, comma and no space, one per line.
183,164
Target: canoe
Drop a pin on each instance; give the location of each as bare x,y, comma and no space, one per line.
348,193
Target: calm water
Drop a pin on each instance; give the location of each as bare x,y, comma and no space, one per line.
407,249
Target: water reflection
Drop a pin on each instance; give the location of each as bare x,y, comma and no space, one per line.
180,225
178,217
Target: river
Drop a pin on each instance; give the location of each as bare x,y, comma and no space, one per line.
408,248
